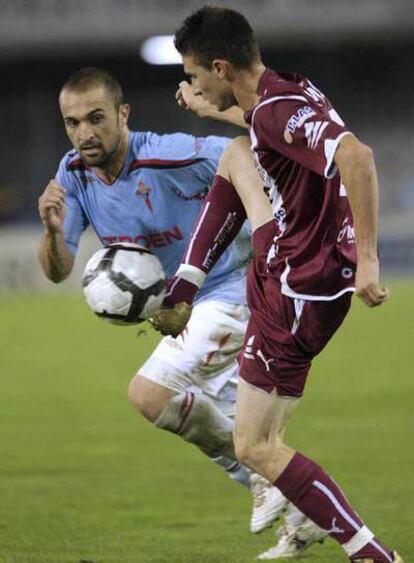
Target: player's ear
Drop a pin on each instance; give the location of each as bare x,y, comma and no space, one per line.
223,69
124,111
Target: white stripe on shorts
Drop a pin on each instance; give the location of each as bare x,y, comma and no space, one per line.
299,304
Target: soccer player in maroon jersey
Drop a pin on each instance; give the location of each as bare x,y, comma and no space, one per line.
321,183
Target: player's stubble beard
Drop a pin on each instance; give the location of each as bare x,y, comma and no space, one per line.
107,158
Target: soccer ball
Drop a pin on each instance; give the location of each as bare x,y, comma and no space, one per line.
124,283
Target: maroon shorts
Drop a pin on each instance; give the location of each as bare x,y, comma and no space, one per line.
283,334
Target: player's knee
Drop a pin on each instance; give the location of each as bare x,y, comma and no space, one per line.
260,455
247,452
139,400
143,401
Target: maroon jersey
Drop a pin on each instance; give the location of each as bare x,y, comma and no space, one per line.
295,132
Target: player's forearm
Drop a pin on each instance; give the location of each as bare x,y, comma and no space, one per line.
192,99
233,115
55,257
358,173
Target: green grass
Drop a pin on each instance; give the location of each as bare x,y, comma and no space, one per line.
83,477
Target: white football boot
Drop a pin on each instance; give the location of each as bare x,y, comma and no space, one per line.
293,541
268,503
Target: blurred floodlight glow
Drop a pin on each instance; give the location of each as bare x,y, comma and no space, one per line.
160,50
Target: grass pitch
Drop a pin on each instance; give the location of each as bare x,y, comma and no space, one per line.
84,478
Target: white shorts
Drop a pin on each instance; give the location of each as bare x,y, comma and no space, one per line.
203,355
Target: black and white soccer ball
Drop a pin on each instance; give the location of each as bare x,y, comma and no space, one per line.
124,283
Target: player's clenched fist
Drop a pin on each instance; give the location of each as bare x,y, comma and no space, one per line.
172,320
367,284
191,98
52,207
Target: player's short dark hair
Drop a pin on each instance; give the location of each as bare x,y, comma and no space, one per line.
91,77
213,32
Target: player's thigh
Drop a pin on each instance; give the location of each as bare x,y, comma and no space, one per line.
261,417
213,338
204,354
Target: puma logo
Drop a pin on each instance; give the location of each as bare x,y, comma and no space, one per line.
259,353
335,529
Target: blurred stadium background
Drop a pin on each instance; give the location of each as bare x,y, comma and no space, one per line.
360,52
72,483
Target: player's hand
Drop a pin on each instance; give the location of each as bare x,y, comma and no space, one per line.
368,288
171,320
52,207
190,98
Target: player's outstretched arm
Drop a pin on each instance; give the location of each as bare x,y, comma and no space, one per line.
189,99
356,166
218,223
54,255
237,192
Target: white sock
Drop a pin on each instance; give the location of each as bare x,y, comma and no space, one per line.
234,469
294,517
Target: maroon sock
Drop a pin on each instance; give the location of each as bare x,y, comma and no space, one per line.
309,488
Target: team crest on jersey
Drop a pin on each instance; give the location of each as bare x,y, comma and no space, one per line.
145,193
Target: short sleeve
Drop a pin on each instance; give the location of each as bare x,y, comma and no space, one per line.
193,161
75,220
302,131
212,148
207,154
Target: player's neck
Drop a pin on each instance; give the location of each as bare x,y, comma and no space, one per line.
113,168
246,84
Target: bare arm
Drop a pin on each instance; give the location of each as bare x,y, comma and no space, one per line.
54,255
356,166
187,98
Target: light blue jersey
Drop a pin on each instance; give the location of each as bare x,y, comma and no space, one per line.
154,202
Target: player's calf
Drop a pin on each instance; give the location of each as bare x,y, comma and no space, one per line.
196,419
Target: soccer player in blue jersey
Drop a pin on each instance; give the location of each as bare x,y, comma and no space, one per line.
148,189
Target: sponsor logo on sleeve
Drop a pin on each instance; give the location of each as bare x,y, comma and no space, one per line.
297,120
